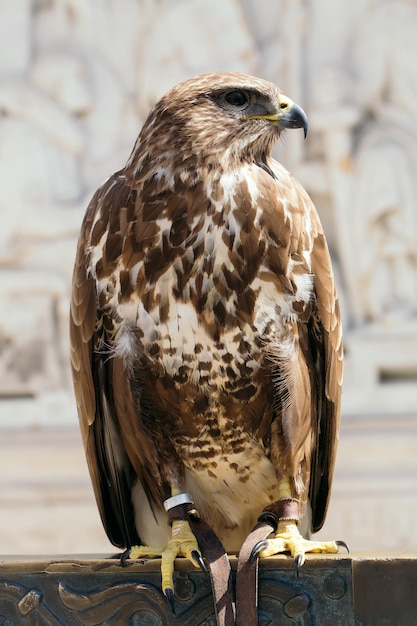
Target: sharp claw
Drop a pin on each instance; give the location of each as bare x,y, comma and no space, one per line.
125,556
196,556
257,548
339,542
298,562
169,595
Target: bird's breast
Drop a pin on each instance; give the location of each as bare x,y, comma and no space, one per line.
206,300
212,317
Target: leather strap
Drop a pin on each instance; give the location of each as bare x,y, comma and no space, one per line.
247,568
283,509
181,508
220,570
247,575
245,611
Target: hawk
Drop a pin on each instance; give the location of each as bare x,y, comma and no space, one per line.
205,333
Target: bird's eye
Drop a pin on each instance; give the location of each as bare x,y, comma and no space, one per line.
237,98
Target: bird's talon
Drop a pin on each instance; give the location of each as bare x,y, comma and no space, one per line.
339,542
298,563
196,556
124,557
169,595
257,548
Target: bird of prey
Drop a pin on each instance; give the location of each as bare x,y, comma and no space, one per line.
205,333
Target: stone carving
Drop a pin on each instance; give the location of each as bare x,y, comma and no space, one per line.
363,114
21,607
385,195
132,603
100,592
338,591
367,110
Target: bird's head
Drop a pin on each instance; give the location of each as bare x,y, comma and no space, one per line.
218,116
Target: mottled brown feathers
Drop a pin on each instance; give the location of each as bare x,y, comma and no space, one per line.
205,332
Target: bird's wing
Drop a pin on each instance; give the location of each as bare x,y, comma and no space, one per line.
323,341
117,448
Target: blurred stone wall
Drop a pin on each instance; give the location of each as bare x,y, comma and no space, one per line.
77,78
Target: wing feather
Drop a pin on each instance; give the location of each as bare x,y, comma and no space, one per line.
312,384
118,450
325,345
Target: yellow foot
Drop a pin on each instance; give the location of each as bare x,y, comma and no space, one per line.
182,543
288,539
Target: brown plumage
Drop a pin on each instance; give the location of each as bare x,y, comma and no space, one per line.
205,332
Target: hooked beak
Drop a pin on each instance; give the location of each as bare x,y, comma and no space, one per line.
291,115
288,115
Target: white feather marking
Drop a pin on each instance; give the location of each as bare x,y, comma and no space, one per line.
152,527
251,182
147,323
126,344
96,253
178,336
165,225
304,283
134,271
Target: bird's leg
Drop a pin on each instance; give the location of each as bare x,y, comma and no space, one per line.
182,542
287,537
